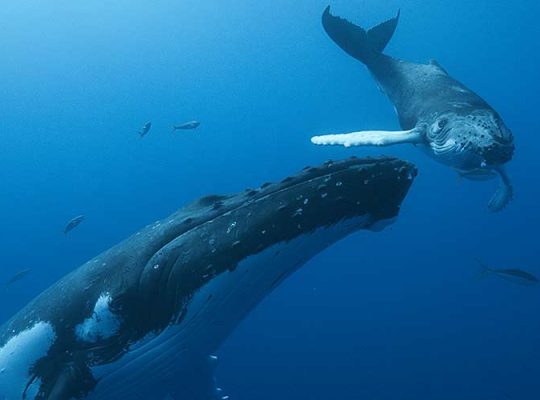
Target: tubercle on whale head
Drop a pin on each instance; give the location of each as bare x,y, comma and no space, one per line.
470,140
499,152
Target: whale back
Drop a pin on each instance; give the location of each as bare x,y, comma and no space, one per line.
420,91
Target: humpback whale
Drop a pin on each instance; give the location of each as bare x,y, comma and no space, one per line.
437,113
143,319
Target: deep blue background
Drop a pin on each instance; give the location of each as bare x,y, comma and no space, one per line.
392,315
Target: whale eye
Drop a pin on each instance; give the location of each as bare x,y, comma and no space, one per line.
442,123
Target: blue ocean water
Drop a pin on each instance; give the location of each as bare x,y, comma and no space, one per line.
393,315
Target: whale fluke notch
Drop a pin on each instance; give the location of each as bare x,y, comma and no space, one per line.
355,40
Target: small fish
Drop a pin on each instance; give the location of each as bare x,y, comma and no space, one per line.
186,126
17,277
73,223
517,276
145,129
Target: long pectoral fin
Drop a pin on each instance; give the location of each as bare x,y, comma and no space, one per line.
504,194
371,138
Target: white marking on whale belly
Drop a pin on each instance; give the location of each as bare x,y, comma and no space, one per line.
19,355
103,324
213,313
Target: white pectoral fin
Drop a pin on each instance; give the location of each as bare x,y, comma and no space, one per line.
504,194
370,138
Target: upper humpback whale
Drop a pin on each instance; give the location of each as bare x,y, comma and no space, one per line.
142,320
436,112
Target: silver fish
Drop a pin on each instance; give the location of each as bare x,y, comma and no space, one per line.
145,129
17,277
72,224
516,276
186,126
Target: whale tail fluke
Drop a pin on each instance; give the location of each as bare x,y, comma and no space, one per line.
356,41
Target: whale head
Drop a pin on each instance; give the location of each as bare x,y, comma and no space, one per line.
471,141
220,233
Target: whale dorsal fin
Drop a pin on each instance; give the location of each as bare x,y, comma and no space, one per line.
435,63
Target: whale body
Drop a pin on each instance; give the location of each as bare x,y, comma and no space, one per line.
437,113
142,320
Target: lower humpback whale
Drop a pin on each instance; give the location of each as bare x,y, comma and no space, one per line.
142,320
437,113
